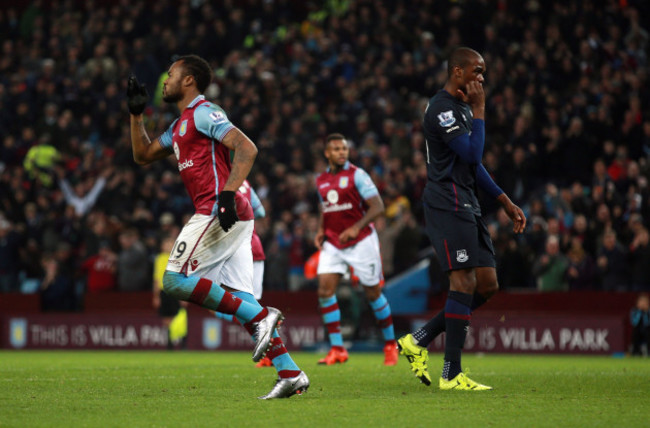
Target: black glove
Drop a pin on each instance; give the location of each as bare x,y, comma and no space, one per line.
227,212
136,96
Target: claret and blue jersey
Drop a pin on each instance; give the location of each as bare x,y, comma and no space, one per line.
343,197
203,162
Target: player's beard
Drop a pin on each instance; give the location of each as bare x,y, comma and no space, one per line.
337,164
172,98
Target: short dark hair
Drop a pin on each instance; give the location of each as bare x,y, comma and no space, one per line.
334,136
197,67
460,57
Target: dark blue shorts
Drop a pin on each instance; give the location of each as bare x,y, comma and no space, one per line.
460,238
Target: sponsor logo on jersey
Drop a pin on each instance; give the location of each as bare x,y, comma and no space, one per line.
336,208
343,182
322,186
461,256
452,129
184,165
183,129
194,264
446,118
332,196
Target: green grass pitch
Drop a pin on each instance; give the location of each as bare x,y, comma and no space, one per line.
196,389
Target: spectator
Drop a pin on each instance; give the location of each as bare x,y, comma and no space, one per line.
581,271
612,267
640,321
407,241
41,159
172,311
9,246
133,270
551,267
85,192
387,233
100,269
57,286
640,261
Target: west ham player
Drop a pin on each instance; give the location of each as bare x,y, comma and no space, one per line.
455,136
349,203
216,241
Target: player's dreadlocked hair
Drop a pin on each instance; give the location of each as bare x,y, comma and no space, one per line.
194,65
460,57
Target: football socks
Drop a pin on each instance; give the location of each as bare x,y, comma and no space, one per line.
381,309
210,295
436,325
329,307
277,352
225,317
457,316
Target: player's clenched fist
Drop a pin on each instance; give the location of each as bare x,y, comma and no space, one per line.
227,212
136,96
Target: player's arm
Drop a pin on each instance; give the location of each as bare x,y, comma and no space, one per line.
258,208
242,162
470,146
375,209
488,185
320,233
370,194
213,122
144,150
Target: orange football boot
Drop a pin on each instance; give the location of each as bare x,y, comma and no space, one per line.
264,362
390,354
335,355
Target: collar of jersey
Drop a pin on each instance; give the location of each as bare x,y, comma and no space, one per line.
345,166
196,100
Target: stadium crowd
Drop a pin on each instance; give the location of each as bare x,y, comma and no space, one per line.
568,130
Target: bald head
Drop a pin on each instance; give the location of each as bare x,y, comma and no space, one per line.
461,57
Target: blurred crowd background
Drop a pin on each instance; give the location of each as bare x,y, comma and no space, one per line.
568,131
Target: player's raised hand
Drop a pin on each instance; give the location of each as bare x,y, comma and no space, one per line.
227,212
136,96
475,95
